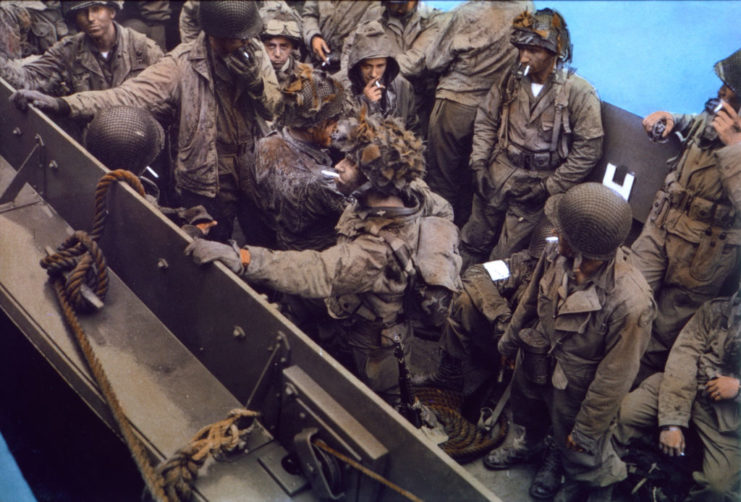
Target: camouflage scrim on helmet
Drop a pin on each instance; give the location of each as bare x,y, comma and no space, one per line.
729,71
311,97
124,137
70,8
387,154
546,28
592,218
280,20
230,19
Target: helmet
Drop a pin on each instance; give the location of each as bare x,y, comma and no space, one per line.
388,155
230,19
592,218
310,97
69,9
729,71
279,20
546,28
543,229
124,137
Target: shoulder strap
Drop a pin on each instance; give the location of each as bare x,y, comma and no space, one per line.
402,252
561,102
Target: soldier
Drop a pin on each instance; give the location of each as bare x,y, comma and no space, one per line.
29,28
374,79
471,52
216,86
103,55
536,135
592,310
699,390
292,191
281,36
360,277
328,23
150,18
690,242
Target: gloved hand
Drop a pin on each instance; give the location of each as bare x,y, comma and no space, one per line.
536,194
204,251
244,64
23,97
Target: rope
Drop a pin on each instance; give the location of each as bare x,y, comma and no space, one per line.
219,439
352,463
81,256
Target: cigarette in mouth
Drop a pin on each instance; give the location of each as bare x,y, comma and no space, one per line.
526,71
330,174
719,107
378,84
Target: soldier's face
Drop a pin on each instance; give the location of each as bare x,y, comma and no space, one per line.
96,20
726,94
224,46
321,134
541,62
400,9
372,69
350,176
279,49
563,248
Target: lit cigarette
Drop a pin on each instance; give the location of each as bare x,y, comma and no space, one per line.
151,171
378,84
551,238
330,174
526,71
719,107
246,54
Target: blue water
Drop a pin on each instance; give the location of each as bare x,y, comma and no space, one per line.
649,55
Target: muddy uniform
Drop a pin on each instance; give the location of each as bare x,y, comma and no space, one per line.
690,242
471,52
597,332
360,279
30,28
397,99
216,123
482,310
75,65
555,136
677,397
301,204
150,18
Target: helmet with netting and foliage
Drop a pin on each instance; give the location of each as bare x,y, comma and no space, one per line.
545,28
70,8
124,137
387,154
230,19
593,219
310,97
729,71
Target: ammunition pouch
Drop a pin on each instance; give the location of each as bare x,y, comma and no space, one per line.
533,161
535,355
702,210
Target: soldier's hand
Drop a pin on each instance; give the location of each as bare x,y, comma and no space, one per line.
671,441
535,194
373,90
319,47
204,251
24,97
243,63
651,120
722,387
728,125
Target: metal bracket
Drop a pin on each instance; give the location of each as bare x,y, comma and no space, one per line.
278,359
313,469
24,173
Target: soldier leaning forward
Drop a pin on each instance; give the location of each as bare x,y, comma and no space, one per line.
690,242
360,277
103,55
537,135
593,313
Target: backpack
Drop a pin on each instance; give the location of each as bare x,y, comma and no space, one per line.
433,271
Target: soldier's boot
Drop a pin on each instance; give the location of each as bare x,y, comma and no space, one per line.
576,491
548,478
447,376
520,450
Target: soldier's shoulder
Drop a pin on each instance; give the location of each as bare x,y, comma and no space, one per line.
629,280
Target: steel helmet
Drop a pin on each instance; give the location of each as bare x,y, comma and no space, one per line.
69,9
230,19
729,71
279,20
546,28
310,97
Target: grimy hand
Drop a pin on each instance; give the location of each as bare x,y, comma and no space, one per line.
722,387
728,125
373,90
650,121
671,441
320,47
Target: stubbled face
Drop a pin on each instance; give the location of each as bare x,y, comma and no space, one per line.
726,94
225,46
350,176
321,134
372,69
400,9
279,49
96,20
540,60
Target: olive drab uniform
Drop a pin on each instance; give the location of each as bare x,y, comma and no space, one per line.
215,115
690,242
301,204
520,139
29,28
471,52
75,65
677,397
595,333
361,280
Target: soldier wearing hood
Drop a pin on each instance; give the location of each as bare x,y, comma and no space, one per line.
360,278
374,79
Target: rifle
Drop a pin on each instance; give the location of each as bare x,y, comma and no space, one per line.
409,406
